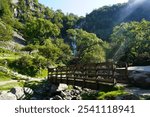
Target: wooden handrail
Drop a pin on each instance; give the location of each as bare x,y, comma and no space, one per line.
81,74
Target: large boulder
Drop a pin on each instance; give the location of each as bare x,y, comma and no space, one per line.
140,78
18,92
7,96
62,87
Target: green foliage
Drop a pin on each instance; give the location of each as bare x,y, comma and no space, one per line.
69,22
89,48
58,18
29,48
131,42
5,32
18,25
37,30
28,65
4,76
110,95
42,73
5,12
9,86
49,13
50,51
56,51
70,87
65,51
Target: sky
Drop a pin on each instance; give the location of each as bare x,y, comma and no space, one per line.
78,7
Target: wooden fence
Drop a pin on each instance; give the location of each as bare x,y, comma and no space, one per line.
89,75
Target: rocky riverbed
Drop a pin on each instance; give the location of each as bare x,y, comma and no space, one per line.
48,91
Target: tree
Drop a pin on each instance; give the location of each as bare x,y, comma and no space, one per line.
86,46
37,30
49,13
131,41
6,32
50,51
28,65
66,53
69,22
5,12
58,18
29,48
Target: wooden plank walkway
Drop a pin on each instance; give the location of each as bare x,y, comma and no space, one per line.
89,75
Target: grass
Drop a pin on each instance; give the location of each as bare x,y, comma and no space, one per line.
106,93
70,87
42,74
110,95
9,86
5,77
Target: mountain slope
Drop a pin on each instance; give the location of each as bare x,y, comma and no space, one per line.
102,20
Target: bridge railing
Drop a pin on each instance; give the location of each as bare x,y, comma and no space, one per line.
88,74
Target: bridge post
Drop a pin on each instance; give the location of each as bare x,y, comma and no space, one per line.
113,74
50,74
56,74
84,76
67,75
126,72
74,78
96,75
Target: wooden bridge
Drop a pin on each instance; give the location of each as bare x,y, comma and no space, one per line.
89,75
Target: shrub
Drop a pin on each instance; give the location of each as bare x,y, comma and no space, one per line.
28,65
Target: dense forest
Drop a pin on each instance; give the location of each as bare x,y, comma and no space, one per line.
51,38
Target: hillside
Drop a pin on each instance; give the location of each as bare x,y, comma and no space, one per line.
101,21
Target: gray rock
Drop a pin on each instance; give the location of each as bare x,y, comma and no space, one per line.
28,91
57,97
69,97
53,89
140,78
63,94
62,87
72,92
77,97
86,89
7,96
18,92
78,88
77,92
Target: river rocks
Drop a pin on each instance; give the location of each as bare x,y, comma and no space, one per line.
62,87
57,97
71,94
140,78
7,96
18,92
28,91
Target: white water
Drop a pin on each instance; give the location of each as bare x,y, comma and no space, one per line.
140,68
